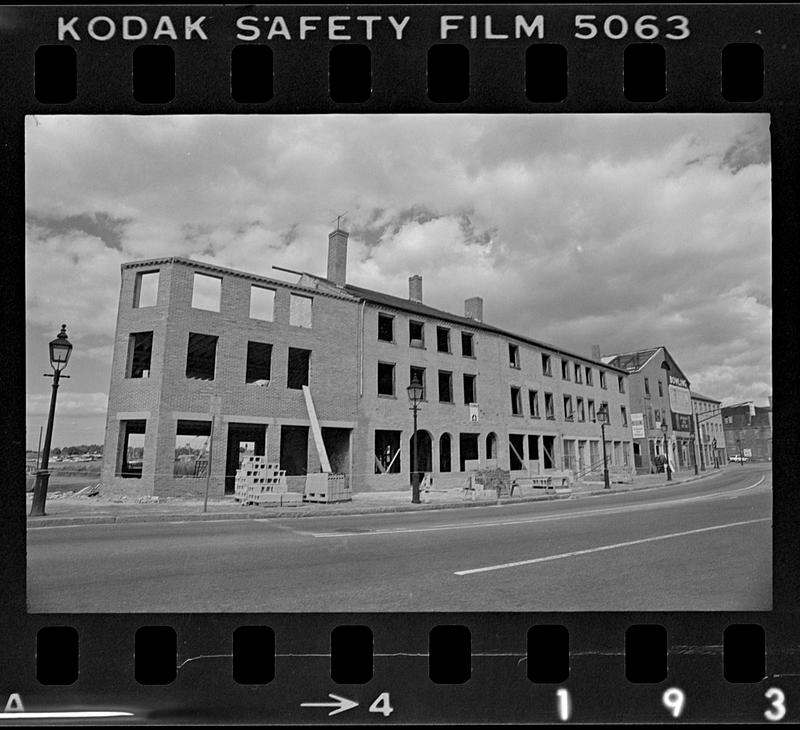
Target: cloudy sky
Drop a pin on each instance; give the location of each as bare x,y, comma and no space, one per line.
629,231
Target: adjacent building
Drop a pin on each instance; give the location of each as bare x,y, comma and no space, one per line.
711,451
661,408
748,430
210,363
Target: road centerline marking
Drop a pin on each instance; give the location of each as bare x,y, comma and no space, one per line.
602,548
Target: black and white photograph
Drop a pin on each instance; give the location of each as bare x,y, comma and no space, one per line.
398,363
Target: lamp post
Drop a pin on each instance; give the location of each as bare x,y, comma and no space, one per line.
664,428
602,414
415,393
60,349
741,453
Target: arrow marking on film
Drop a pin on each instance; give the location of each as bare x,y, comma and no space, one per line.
342,704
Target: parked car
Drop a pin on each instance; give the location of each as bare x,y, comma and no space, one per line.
736,459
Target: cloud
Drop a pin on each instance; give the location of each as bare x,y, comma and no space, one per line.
72,405
623,230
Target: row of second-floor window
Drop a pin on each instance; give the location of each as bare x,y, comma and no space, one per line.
660,387
201,360
387,383
207,295
416,335
573,410
569,370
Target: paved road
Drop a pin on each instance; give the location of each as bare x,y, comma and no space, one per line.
704,545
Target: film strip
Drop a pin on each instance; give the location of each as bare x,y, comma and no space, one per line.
335,661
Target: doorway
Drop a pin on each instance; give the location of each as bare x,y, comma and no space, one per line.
244,439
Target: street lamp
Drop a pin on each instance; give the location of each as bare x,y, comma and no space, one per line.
741,454
415,394
60,349
664,428
602,414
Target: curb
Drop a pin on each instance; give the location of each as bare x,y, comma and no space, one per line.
306,511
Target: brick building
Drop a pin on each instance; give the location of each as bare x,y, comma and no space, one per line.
209,362
659,394
708,426
748,430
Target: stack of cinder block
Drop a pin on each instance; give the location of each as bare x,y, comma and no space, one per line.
323,487
262,483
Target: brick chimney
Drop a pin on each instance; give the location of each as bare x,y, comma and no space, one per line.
473,308
415,288
596,352
337,256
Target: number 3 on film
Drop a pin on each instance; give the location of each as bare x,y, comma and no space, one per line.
778,709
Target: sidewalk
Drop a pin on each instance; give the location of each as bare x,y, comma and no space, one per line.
64,508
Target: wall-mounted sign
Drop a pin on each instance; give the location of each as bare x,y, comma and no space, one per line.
681,422
637,425
680,400
473,413
680,382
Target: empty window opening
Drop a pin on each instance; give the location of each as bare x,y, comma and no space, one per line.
416,334
467,449
145,290
442,339
385,378
568,414
513,356
603,379
470,394
589,380
565,369
262,303
192,442
516,446
533,448
549,450
578,374
549,409
299,310
419,374
386,328
516,401
624,414
467,345
533,403
297,368
592,416
294,450
387,452
445,387
140,350
606,411
660,387
206,291
259,363
130,456
581,410
546,366
445,463
621,383
647,386
201,356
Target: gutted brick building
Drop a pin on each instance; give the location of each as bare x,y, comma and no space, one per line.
210,363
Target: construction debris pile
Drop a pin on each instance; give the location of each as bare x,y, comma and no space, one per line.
262,483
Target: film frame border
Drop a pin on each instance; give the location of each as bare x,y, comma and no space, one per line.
498,690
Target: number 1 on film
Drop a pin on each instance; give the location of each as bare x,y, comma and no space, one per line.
564,703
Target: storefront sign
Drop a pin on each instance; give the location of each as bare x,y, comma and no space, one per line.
637,425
